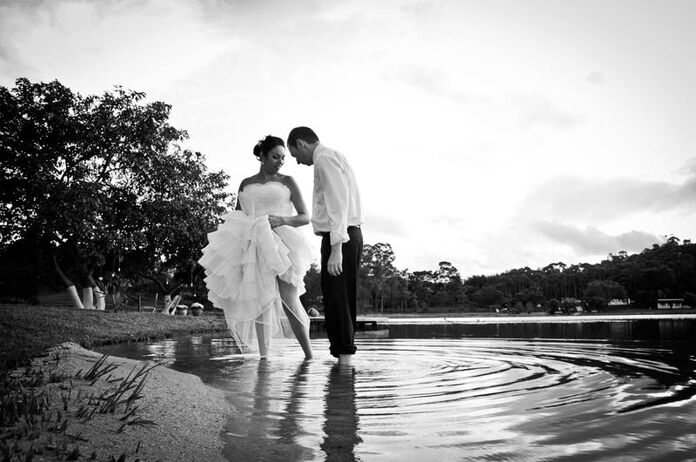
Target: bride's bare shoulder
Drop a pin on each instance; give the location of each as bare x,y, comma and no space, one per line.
287,180
290,183
247,181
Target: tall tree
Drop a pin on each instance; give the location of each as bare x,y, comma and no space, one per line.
599,292
377,267
449,285
102,179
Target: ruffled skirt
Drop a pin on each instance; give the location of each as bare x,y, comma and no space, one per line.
243,260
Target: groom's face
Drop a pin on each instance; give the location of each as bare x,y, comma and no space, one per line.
301,154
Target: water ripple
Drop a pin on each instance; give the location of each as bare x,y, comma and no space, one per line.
464,399
415,399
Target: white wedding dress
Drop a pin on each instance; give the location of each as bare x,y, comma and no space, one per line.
243,258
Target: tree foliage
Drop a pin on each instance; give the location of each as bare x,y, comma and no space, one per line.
378,274
101,183
663,271
598,293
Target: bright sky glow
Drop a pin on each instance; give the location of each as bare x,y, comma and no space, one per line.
492,134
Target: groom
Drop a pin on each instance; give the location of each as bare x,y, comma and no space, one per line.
336,217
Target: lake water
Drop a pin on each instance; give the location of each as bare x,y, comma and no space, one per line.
609,391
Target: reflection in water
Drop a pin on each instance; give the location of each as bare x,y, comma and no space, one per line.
598,391
267,427
289,429
283,418
340,417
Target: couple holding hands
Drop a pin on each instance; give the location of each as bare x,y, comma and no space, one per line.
256,260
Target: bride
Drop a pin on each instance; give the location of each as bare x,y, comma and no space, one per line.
256,260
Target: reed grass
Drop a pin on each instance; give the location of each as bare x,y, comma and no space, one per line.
32,424
35,422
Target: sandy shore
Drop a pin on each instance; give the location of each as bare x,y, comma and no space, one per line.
178,418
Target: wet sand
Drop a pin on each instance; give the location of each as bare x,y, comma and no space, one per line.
188,415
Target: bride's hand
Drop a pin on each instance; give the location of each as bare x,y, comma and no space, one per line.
276,221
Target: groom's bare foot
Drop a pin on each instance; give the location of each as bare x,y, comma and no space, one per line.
344,360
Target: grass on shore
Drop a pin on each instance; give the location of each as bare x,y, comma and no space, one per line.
43,413
28,331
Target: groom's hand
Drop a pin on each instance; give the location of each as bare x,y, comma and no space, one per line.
335,264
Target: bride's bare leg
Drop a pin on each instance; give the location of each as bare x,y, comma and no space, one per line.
292,305
261,337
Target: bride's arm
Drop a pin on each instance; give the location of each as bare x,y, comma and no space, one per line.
239,190
302,217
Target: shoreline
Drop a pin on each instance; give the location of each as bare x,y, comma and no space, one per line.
173,415
522,319
376,321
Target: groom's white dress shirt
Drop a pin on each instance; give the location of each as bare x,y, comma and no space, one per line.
336,200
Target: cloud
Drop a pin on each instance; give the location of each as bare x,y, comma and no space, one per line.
590,240
434,82
539,110
384,224
419,9
10,58
99,44
690,169
595,78
454,222
599,200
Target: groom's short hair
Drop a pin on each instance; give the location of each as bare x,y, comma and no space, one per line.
302,133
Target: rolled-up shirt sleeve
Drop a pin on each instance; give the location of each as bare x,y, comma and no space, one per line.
334,179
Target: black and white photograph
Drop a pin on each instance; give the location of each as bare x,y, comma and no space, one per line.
347,230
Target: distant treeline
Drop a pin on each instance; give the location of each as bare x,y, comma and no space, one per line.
663,271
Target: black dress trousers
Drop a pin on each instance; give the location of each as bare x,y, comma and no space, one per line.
340,293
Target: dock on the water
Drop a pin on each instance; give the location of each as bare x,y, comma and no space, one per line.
363,322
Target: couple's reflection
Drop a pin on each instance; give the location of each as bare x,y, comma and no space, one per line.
271,407
289,429
284,420
340,418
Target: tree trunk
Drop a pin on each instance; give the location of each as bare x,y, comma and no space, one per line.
98,293
167,302
74,297
101,298
69,286
88,298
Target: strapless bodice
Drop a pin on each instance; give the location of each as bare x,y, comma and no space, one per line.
272,198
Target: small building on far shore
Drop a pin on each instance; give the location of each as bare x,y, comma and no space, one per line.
670,303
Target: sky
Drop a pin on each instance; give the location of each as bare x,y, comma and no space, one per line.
492,134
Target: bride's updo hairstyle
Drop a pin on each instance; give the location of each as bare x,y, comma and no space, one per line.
263,146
